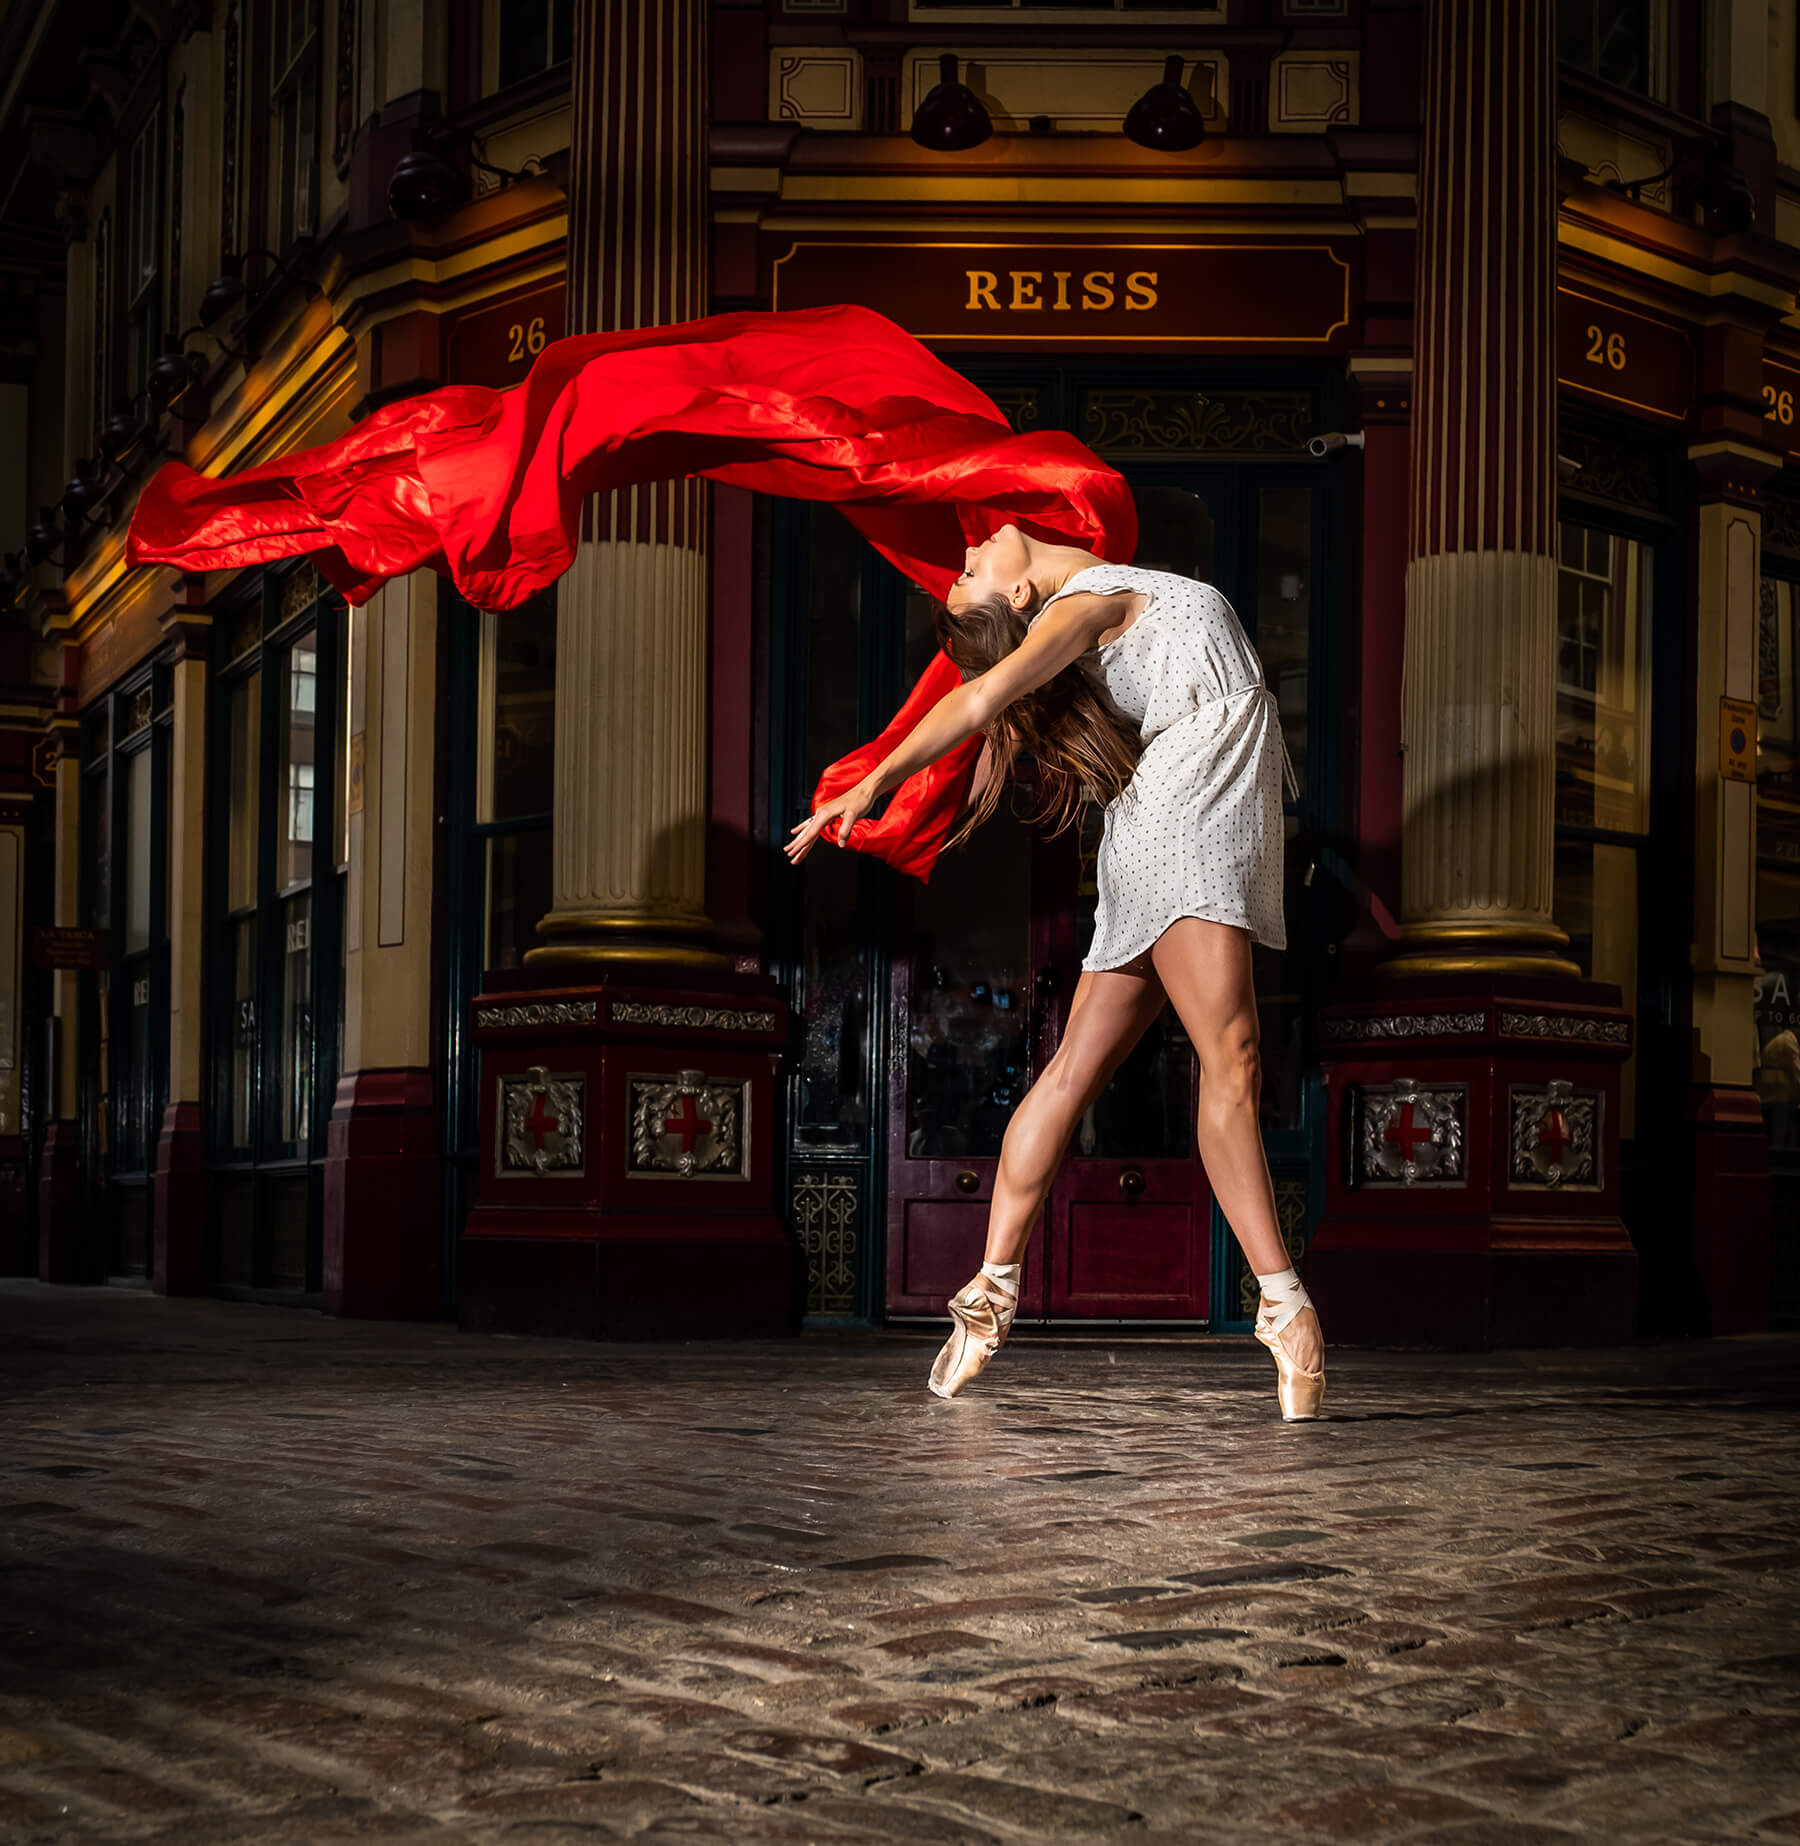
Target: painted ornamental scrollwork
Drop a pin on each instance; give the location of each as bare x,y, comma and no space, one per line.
1556,1137
542,1123
1404,1025
700,1018
689,1126
1409,1134
1577,1028
538,1013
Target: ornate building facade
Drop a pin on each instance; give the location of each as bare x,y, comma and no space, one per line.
419,960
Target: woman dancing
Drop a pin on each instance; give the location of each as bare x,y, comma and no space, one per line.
1141,688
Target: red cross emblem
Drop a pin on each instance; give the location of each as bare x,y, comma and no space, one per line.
687,1123
540,1121
1406,1132
1555,1135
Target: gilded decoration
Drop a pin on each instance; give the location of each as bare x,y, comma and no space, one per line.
824,1214
1574,1028
1556,1137
1403,1025
1185,422
1781,524
1624,474
1020,405
1409,1135
687,1127
699,1018
539,1013
299,592
541,1124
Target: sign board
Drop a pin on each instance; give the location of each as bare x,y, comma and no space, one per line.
69,948
1737,740
1781,405
1626,358
1255,296
495,343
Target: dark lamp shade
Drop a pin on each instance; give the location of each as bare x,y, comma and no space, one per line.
951,117
1166,118
424,186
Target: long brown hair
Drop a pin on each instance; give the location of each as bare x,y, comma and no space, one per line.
1086,748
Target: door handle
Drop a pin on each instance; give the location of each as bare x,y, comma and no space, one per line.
1131,1182
968,1180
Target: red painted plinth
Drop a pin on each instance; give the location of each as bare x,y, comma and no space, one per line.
1472,1193
179,1263
1734,1248
383,1198
66,1244
626,1178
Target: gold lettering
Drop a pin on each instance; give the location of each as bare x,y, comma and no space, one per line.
982,283
1140,289
1062,288
1097,287
1025,287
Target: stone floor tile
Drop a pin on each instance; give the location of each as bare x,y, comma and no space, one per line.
270,1577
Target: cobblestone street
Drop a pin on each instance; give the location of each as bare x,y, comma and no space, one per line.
274,1577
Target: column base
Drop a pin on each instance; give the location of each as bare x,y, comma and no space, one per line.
625,1187
1734,1250
581,942
178,1265
384,1232
67,1245
1472,1187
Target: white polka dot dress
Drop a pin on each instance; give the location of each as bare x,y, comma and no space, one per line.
1198,831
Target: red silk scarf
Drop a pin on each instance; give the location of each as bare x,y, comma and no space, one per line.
831,404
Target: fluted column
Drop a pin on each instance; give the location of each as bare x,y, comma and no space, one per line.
630,793
1479,702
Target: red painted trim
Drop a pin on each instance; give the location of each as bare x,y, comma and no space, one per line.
179,1203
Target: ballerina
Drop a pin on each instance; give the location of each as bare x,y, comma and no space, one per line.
1139,688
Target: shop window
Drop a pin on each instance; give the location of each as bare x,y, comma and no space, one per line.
1614,40
123,1010
514,776
280,908
1603,636
1777,986
143,209
294,98
525,37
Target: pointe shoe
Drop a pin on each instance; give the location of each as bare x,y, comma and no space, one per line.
1301,1391
983,1312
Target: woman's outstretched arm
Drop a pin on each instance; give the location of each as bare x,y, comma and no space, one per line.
1057,640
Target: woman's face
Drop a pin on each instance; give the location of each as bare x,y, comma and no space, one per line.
999,564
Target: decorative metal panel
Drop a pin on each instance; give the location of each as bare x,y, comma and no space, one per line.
539,1013
1406,1133
825,1211
708,1018
542,1125
1290,1215
1198,422
689,1126
1556,1137
1404,1025
1577,1028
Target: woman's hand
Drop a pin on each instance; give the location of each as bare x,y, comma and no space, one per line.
839,814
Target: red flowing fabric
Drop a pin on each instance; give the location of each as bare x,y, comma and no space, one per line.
486,486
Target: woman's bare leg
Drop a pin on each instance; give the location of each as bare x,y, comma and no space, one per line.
1205,969
1108,1014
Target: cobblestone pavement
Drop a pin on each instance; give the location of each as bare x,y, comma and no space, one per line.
272,1577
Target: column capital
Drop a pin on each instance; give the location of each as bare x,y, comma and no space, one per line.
1724,468
1381,388
188,622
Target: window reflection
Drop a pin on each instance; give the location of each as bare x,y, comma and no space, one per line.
298,728
1602,681
245,724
